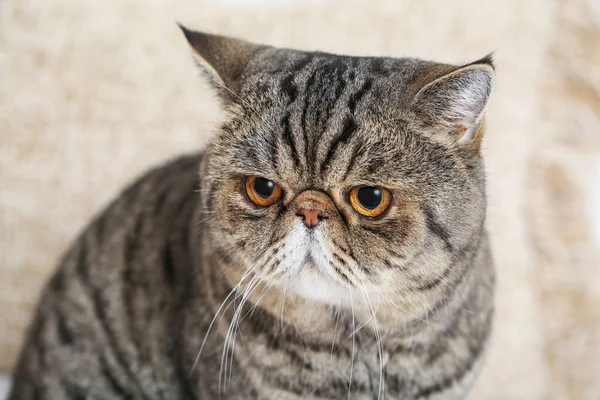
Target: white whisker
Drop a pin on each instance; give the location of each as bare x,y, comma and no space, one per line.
216,81
379,340
233,290
228,337
360,327
229,345
337,320
353,348
283,305
403,310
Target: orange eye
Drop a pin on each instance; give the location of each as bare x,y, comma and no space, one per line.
262,192
370,201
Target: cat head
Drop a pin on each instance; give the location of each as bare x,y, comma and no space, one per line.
334,174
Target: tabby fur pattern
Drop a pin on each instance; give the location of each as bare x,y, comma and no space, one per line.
183,289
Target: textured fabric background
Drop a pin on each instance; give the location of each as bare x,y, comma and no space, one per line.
94,92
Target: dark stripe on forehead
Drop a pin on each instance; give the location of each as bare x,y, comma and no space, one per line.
325,95
377,65
357,97
288,139
322,92
357,153
289,87
344,136
287,83
354,61
273,142
333,84
303,120
302,63
341,84
350,125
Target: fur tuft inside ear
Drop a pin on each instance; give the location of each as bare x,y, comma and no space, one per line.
459,98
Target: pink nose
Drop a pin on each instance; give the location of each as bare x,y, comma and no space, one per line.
311,217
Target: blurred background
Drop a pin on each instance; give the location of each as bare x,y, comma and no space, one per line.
94,92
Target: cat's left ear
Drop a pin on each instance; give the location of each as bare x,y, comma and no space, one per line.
458,99
222,59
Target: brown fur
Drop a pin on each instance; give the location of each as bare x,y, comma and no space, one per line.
185,289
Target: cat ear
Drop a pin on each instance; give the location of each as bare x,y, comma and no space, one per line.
222,59
459,98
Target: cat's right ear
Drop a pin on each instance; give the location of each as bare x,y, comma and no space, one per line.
222,59
459,98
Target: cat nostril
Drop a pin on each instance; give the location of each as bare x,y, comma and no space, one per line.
311,217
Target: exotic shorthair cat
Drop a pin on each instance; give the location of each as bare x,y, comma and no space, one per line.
328,244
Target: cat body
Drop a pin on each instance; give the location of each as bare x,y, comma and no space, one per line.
329,243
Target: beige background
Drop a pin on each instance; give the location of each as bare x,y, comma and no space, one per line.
94,92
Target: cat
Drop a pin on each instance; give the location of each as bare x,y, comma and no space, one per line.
329,243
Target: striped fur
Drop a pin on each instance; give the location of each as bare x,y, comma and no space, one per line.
182,289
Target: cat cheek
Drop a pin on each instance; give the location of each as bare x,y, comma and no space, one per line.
388,242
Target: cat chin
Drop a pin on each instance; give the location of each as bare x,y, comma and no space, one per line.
318,287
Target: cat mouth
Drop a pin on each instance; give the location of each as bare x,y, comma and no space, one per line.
309,264
317,270
309,261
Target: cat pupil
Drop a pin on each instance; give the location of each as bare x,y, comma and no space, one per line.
370,197
264,187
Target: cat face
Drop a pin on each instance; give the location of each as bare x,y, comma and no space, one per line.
334,175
